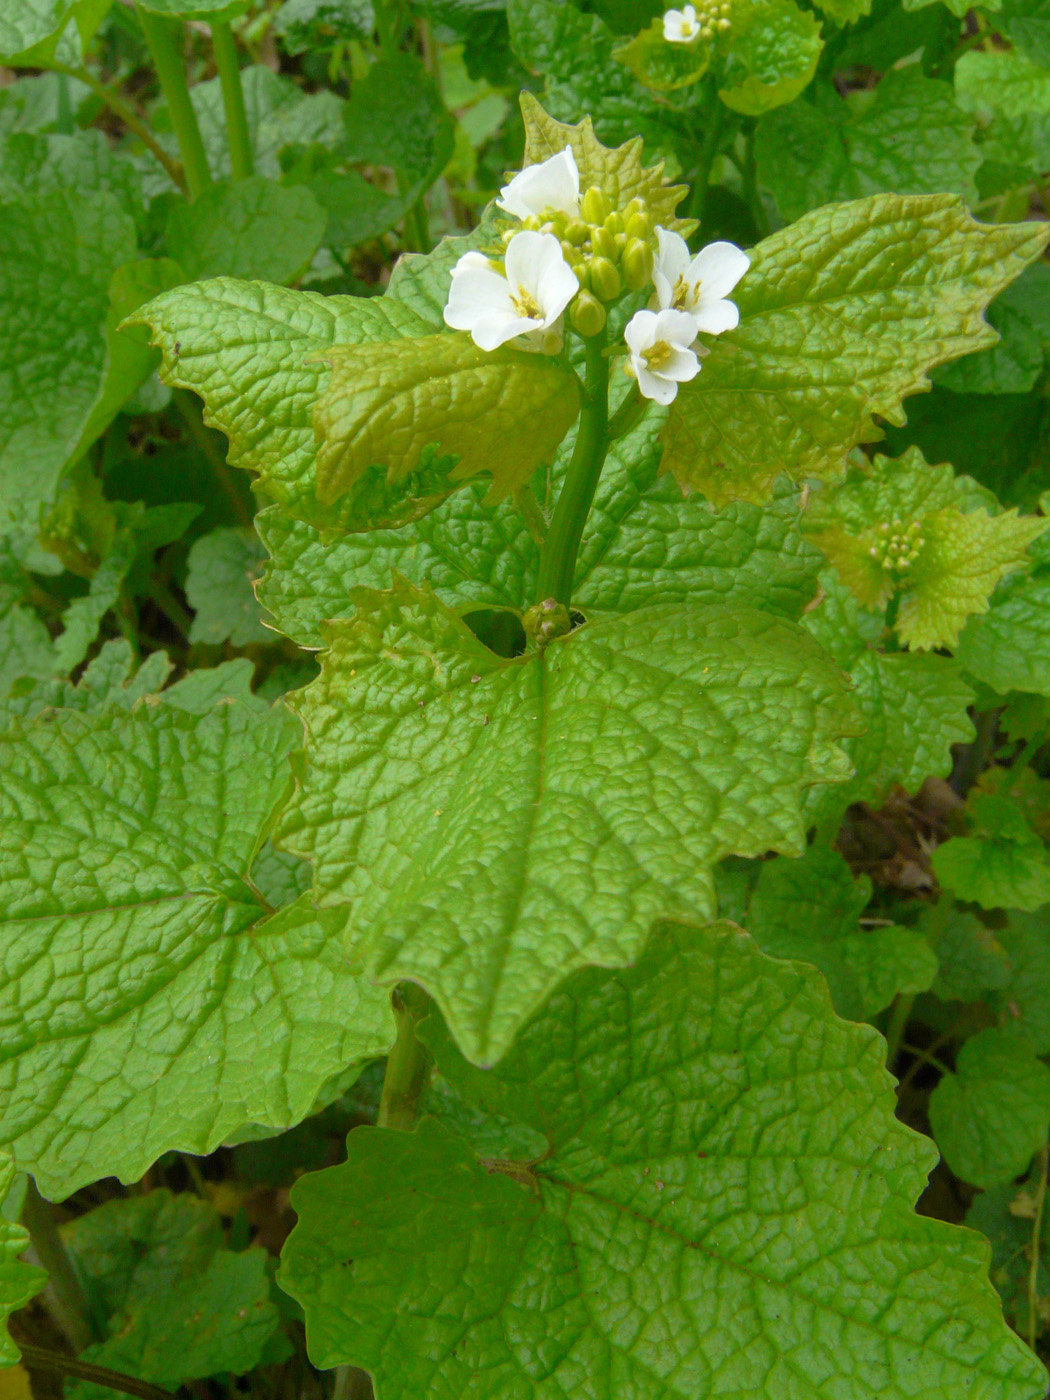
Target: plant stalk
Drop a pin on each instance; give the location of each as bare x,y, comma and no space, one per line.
160,35
407,1065
131,120
41,1359
558,556
69,1305
1043,1159
238,138
190,414
708,150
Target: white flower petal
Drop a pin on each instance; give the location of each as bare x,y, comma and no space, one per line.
681,366
653,387
715,317
678,328
557,286
553,184
491,331
476,292
680,26
718,268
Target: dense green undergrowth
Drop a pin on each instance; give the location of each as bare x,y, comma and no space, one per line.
525,699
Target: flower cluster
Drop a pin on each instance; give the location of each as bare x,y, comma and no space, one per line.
574,253
687,25
897,546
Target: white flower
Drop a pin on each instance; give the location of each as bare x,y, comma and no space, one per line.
661,357
681,26
553,184
527,300
699,285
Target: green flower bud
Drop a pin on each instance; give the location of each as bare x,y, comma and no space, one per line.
637,264
576,232
545,621
594,206
532,223
723,25
604,279
638,226
603,244
587,313
614,223
636,206
569,253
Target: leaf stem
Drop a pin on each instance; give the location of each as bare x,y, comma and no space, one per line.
558,556
1021,762
159,34
1043,1158
708,150
752,193
68,1303
198,431
238,138
628,415
407,1065
131,120
42,1359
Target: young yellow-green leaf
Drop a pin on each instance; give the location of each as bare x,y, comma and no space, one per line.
503,413
1005,866
723,1208
248,349
53,358
663,66
842,314
493,824
773,51
961,560
222,569
912,138
914,705
617,172
148,999
252,228
18,1281
993,1113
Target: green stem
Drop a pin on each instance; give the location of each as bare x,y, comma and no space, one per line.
160,35
41,1359
926,1057
407,1065
237,137
69,1305
628,415
900,1012
1021,762
708,150
558,556
64,119
1037,1240
750,178
131,120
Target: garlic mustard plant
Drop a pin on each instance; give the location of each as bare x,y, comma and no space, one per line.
698,284
681,26
522,301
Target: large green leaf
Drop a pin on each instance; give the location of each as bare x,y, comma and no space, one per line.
774,46
249,350
196,9
220,575
35,32
252,228
149,999
18,1281
1004,865
914,706
495,823
388,409
53,362
1024,1002
723,1207
1003,82
993,1112
912,138
842,313
1021,315
83,161
1008,647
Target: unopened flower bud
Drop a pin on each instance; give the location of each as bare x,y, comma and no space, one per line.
638,226
570,254
594,206
532,223
604,279
637,264
614,223
576,232
587,314
636,206
707,32
603,244
723,25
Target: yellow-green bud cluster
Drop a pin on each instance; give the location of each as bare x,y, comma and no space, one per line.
545,621
897,546
610,251
712,17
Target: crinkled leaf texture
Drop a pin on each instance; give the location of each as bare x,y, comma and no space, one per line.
502,412
774,46
723,1209
841,315
18,1282
1004,866
148,999
1008,647
493,824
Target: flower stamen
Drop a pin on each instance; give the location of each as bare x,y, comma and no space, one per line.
525,304
657,355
